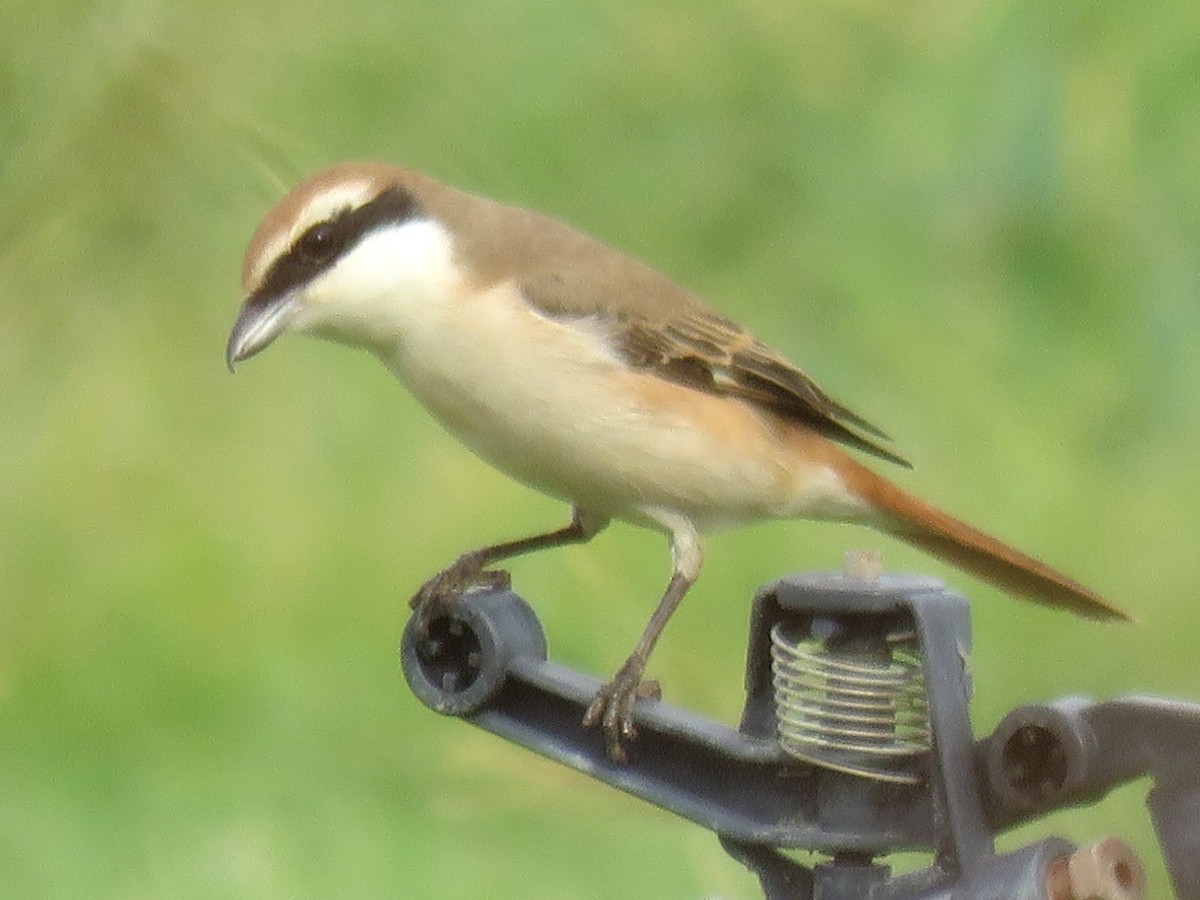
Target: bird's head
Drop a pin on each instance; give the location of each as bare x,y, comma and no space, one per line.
340,257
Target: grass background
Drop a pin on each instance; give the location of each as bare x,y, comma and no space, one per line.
977,223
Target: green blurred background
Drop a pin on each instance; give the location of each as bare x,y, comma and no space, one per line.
976,223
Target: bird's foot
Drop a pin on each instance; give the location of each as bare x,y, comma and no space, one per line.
612,707
440,595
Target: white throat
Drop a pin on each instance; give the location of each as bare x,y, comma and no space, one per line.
393,281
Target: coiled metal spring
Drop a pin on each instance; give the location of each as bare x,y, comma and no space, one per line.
858,707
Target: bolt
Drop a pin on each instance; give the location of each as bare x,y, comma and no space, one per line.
863,565
1107,869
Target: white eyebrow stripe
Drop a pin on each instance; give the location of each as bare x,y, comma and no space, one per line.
270,252
323,205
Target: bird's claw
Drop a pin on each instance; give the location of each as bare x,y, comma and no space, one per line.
441,594
612,707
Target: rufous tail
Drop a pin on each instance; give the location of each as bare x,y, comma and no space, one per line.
921,525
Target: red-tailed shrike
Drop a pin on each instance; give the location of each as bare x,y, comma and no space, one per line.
589,376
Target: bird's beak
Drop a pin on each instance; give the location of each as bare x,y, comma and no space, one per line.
258,324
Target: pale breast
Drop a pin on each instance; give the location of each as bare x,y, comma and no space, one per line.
549,402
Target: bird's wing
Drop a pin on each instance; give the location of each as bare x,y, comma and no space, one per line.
659,327
715,354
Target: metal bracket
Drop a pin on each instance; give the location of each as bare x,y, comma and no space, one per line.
488,665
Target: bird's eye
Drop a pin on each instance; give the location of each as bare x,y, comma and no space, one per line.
318,243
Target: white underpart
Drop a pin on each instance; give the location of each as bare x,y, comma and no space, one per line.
548,400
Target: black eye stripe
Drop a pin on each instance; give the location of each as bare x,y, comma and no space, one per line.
321,241
318,248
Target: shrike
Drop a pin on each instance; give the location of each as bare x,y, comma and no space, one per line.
589,376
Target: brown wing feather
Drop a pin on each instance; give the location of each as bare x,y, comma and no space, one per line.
714,354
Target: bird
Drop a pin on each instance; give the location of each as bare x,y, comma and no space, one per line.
591,377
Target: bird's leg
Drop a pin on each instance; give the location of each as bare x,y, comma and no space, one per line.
441,592
612,707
